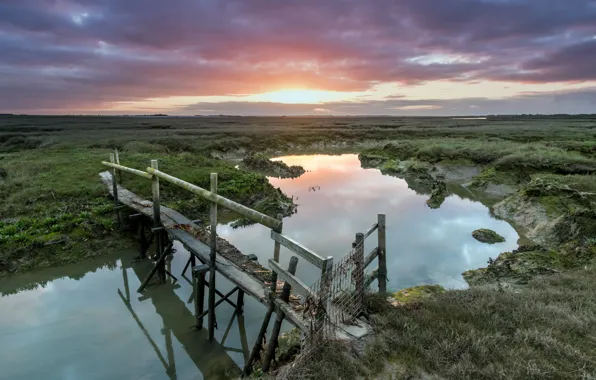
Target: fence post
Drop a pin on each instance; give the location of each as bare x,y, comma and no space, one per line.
198,275
359,268
118,162
276,250
115,190
285,296
382,253
212,254
157,219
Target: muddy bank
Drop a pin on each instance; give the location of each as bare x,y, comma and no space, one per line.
271,168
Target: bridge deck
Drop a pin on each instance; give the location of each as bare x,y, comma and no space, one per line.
247,274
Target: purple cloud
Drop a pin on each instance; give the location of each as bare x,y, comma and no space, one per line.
87,54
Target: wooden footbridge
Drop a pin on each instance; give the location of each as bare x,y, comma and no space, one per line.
211,254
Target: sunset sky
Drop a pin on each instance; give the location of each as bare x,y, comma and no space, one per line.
296,57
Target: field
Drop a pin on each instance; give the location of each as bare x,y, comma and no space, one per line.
537,172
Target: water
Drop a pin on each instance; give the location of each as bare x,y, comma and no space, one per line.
337,198
86,321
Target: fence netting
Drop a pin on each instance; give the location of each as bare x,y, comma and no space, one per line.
335,302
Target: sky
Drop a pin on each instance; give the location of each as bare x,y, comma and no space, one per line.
298,57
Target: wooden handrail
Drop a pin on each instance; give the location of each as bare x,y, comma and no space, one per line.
128,170
221,201
371,230
297,285
371,256
299,249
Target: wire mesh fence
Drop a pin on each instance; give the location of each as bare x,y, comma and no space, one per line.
335,303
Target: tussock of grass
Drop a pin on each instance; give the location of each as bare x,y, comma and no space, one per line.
544,331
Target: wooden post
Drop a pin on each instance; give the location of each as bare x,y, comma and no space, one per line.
157,220
198,275
359,267
276,250
257,347
240,302
285,296
382,255
117,156
115,190
212,255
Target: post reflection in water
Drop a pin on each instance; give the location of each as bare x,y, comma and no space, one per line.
211,358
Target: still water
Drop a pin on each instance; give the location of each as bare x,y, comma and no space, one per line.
86,321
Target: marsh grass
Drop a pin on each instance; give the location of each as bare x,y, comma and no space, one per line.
545,330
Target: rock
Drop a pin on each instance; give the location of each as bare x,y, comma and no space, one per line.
3,173
485,235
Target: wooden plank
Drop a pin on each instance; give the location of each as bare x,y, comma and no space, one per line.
221,201
228,269
297,285
127,169
292,315
371,278
299,249
371,230
371,256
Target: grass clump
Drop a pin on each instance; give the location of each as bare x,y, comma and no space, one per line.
485,235
543,331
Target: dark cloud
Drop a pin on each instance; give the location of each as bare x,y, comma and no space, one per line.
90,53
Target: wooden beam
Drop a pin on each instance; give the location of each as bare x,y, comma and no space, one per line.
371,278
285,296
212,254
127,169
221,201
371,230
299,249
298,286
382,254
371,256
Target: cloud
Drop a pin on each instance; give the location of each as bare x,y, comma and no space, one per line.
571,102
88,54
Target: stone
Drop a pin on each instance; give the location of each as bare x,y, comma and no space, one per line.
485,235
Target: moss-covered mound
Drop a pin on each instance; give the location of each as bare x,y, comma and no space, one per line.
414,294
272,168
484,235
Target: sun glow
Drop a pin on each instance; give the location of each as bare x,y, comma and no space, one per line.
302,96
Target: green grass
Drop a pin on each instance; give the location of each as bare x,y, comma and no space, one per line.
54,195
545,331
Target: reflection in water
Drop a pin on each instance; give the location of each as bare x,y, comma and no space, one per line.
424,246
98,327
87,322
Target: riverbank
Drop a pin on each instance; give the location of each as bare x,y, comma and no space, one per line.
55,210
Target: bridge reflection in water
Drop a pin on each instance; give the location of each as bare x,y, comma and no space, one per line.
211,358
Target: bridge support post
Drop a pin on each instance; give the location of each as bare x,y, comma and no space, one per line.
382,255
198,275
159,243
285,296
212,254
359,268
115,190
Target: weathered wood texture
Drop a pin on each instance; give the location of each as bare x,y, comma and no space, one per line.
371,256
212,255
285,296
371,230
382,273
221,201
299,249
128,170
298,286
249,275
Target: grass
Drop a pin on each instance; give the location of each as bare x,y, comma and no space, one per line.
56,211
545,331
